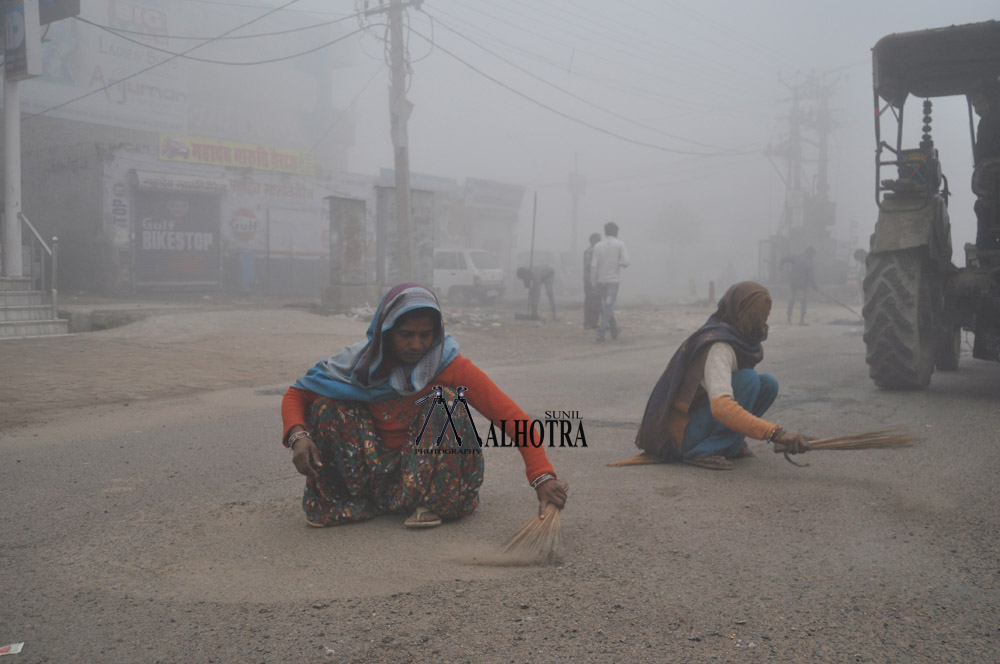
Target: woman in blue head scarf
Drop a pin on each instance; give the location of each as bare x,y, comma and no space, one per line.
353,422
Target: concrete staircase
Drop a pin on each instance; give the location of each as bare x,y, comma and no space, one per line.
22,313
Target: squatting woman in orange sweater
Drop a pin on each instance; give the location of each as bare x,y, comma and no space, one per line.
709,398
352,423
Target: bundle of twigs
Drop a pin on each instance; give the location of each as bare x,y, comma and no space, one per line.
539,540
881,439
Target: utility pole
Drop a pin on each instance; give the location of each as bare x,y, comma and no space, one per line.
577,186
12,266
399,115
809,213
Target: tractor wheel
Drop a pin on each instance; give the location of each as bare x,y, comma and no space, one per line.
901,312
948,348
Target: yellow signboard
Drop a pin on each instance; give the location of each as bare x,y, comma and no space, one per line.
217,152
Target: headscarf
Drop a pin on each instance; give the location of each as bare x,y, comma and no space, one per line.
740,321
745,306
353,373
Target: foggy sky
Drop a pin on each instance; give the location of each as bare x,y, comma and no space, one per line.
508,87
707,72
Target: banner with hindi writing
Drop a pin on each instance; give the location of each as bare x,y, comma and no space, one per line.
218,152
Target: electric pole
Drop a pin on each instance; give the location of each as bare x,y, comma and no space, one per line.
399,114
577,186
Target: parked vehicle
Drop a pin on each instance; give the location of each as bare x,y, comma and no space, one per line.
916,300
465,276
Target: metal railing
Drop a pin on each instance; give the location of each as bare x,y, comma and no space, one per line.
53,252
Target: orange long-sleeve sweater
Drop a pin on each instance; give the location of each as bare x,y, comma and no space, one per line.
393,423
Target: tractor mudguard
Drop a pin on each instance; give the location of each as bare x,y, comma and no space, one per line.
909,223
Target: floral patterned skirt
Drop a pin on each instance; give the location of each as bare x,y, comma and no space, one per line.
361,478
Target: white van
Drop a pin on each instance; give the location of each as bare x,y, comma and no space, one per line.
467,275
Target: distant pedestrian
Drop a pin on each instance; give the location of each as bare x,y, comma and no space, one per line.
591,300
609,258
800,280
534,278
861,256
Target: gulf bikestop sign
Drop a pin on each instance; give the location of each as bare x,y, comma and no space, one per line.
177,240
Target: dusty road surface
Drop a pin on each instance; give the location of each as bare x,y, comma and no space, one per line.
151,515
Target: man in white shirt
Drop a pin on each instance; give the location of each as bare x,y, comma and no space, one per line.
609,258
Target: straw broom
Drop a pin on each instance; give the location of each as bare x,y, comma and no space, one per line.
885,439
539,540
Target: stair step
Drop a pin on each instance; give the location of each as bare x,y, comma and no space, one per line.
25,312
15,283
19,298
33,328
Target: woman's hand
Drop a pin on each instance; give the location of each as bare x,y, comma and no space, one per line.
550,491
792,443
305,457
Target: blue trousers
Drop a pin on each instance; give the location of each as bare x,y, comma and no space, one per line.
706,436
609,294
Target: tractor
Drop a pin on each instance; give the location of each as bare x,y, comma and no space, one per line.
916,301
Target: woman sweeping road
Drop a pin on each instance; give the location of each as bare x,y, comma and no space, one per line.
352,423
709,398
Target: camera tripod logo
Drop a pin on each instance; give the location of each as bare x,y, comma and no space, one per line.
439,400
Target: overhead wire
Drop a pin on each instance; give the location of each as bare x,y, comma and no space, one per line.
615,84
257,35
637,39
240,5
628,65
212,61
157,64
563,114
583,99
347,108
628,43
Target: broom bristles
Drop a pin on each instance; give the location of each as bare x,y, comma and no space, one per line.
539,539
639,460
881,439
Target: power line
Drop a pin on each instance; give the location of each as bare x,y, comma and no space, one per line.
563,67
123,31
343,113
634,38
217,62
626,43
630,66
158,64
582,99
243,5
566,115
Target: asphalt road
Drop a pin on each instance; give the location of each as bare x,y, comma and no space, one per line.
151,515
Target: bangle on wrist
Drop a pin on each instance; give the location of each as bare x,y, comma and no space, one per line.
541,479
776,434
296,436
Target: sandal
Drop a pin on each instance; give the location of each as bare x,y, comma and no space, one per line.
714,462
422,518
745,451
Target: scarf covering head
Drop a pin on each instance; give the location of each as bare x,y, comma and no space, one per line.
353,373
746,306
740,321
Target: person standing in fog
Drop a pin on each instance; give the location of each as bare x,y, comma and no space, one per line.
800,280
591,301
609,258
